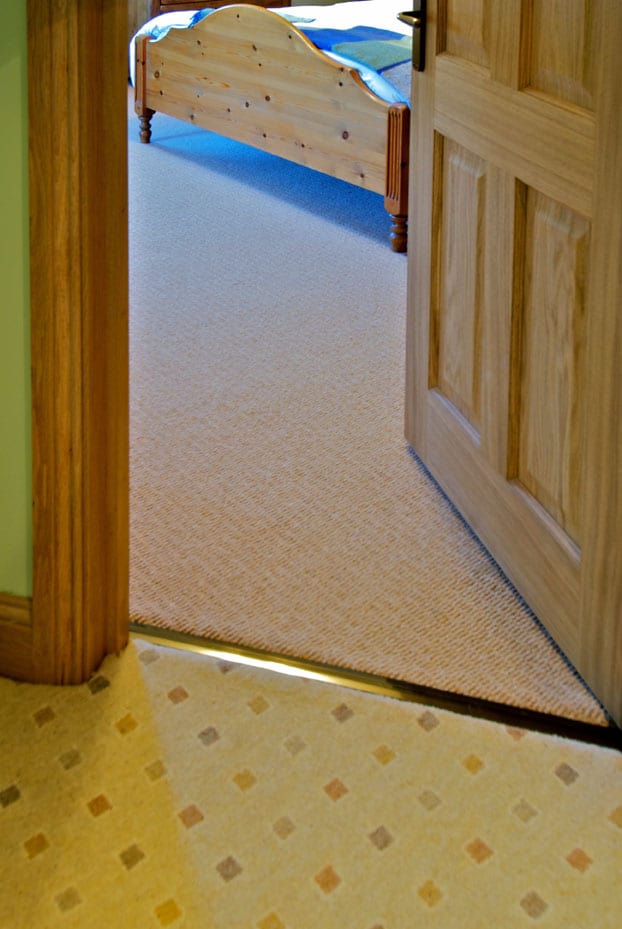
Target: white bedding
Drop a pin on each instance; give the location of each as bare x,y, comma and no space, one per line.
379,13
392,85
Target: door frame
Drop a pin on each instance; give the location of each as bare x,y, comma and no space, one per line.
79,610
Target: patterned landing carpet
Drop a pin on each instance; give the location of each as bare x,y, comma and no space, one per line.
274,503
178,790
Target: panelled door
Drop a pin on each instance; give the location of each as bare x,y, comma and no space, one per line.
514,348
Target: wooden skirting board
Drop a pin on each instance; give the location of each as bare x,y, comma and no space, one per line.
15,609
16,639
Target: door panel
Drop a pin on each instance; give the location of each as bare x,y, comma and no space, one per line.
512,227
563,69
466,33
549,359
456,359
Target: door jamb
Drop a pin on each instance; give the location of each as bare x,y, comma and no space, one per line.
77,95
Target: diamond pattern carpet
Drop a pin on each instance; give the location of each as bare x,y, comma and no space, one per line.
178,790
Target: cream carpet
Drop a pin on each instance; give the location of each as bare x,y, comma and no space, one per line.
274,503
174,790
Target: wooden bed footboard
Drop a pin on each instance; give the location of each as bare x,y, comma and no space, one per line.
246,73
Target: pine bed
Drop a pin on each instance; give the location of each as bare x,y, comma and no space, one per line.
253,75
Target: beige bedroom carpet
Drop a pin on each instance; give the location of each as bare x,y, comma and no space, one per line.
274,502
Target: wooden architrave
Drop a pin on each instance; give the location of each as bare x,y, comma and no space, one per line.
79,308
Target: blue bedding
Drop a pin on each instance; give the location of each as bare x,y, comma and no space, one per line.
368,46
357,39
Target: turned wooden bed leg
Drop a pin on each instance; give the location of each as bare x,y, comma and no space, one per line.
141,109
399,233
145,125
396,189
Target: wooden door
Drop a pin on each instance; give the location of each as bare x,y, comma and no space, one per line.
514,357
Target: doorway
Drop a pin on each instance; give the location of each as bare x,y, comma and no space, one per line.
80,603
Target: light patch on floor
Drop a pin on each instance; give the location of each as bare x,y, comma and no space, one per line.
177,790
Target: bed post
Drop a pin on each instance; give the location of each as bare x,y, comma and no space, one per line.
143,112
396,191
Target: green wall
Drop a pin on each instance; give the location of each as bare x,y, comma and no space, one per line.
15,454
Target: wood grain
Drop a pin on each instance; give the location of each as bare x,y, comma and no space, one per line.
171,6
79,281
466,34
16,638
564,69
459,303
551,360
539,479
248,74
601,601
546,147
425,204
15,610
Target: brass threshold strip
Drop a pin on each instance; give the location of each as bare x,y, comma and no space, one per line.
608,736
